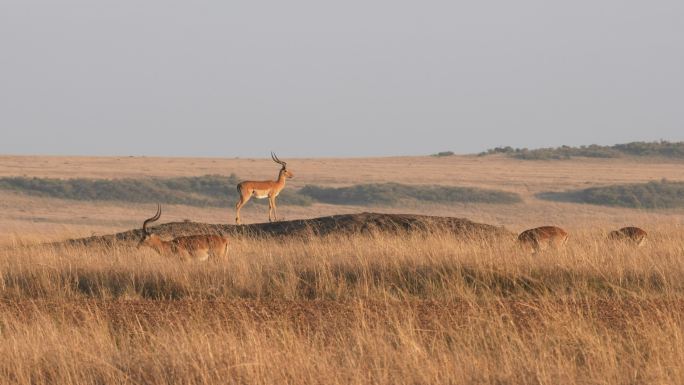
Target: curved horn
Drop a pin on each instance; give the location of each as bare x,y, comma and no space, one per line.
152,219
275,159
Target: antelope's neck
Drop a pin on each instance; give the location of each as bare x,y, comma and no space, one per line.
281,178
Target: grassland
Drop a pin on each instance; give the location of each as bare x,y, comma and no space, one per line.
204,190
387,194
399,309
366,309
44,218
221,191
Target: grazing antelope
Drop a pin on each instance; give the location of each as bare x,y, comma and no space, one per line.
194,247
263,189
542,238
630,233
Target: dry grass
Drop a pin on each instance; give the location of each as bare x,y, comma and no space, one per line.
400,309
364,309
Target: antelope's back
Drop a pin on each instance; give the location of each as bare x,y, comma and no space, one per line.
542,233
635,234
194,242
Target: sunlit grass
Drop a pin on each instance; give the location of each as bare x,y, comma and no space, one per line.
384,309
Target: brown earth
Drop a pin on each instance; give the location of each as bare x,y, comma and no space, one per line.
346,224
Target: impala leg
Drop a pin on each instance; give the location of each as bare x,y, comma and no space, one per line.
271,203
275,210
239,205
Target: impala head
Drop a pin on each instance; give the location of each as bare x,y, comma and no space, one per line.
284,169
148,237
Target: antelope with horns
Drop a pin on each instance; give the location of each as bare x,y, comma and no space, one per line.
263,189
192,247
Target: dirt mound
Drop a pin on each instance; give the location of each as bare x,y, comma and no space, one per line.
347,224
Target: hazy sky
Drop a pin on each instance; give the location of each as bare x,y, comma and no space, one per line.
336,78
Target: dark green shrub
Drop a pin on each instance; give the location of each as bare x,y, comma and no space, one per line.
207,190
393,193
663,149
651,195
443,153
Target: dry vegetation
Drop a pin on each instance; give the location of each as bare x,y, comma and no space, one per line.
28,218
383,309
662,149
367,309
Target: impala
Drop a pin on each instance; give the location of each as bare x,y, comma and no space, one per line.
630,233
195,247
542,238
263,189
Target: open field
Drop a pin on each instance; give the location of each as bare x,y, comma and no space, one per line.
392,309
54,219
406,308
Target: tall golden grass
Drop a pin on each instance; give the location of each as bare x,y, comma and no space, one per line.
378,309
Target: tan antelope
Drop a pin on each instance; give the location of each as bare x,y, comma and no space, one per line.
192,247
263,189
630,233
542,238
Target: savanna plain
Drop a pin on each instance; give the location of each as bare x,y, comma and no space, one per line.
371,308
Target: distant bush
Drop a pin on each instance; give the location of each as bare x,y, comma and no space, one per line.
207,190
651,195
653,149
443,153
394,193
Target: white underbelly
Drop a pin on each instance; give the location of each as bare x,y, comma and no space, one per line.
260,194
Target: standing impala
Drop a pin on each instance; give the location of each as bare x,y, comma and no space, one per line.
263,189
195,247
542,238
